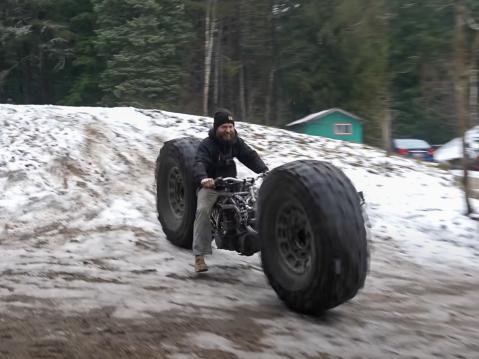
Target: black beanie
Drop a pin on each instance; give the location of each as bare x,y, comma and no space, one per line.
221,117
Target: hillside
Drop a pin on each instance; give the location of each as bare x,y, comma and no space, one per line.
85,265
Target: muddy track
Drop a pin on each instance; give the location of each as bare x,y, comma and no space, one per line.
97,334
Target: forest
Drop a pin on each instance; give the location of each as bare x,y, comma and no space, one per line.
394,63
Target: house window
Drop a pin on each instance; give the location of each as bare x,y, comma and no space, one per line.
343,129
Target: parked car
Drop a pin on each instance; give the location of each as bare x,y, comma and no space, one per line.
414,148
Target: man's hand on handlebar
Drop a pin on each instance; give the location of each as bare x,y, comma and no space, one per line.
208,183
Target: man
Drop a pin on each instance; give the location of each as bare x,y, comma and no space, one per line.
215,158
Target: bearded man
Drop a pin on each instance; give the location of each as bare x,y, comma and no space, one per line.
215,158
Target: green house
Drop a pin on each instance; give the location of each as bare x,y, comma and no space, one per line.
333,123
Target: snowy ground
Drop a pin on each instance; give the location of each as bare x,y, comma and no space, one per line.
85,270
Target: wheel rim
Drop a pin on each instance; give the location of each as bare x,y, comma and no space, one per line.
176,192
294,238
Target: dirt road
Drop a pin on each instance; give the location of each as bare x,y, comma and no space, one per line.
131,307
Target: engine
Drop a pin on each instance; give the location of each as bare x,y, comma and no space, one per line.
232,220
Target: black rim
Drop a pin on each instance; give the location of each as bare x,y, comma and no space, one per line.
176,192
294,238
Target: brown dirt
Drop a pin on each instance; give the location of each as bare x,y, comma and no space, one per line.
29,333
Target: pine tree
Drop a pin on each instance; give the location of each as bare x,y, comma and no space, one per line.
36,44
421,69
256,57
243,59
82,85
334,54
141,43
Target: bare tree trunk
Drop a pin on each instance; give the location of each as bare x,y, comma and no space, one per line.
242,98
272,72
241,73
269,97
473,82
44,80
386,125
460,90
210,24
26,78
218,67
251,91
207,60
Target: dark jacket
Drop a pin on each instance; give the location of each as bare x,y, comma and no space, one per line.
215,159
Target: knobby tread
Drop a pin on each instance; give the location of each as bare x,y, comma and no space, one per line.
333,206
179,152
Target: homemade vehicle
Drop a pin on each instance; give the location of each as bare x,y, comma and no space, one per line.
306,220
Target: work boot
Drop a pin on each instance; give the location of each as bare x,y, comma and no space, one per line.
200,265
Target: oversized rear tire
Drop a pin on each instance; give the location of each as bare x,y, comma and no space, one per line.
175,190
313,238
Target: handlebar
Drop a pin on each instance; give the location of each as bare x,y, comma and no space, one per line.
234,180
231,179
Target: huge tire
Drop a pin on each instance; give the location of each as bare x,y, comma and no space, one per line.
313,238
175,190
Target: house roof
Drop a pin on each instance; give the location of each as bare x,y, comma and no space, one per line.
320,114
